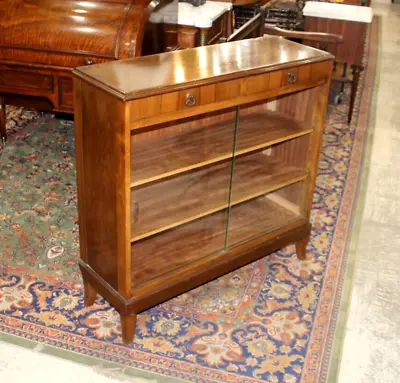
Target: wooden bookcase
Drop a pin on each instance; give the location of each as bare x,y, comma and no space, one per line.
193,163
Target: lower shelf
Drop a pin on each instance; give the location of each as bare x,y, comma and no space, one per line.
152,257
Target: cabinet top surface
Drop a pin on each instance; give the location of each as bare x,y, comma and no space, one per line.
152,75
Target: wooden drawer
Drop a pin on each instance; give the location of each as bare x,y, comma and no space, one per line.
25,80
66,94
202,99
306,75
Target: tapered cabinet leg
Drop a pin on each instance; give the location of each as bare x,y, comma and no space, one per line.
301,246
3,135
90,294
128,324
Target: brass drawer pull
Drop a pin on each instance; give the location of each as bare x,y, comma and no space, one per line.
190,100
88,61
291,77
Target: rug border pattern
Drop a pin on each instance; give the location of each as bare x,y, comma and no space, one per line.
320,345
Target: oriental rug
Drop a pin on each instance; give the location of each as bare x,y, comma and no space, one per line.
271,321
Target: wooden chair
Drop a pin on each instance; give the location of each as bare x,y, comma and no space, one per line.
251,29
324,41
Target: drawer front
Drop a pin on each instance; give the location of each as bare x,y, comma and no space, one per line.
23,80
203,99
291,77
306,75
66,94
64,60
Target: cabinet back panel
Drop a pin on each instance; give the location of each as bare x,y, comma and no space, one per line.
292,105
292,152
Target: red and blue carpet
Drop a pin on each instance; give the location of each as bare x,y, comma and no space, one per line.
272,321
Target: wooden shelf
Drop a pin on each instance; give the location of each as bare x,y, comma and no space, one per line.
177,201
209,142
170,250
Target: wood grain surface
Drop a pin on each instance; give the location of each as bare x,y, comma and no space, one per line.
128,79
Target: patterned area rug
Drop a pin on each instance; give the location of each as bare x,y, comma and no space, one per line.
271,321
18,118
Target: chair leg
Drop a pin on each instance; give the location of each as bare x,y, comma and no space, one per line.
354,86
3,135
344,75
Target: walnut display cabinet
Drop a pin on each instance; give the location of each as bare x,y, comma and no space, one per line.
193,163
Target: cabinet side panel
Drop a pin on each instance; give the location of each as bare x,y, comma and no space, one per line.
319,114
100,153
79,167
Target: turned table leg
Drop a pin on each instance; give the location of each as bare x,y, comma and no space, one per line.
3,135
301,246
204,36
128,324
90,294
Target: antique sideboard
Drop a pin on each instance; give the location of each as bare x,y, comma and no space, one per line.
42,41
180,25
193,163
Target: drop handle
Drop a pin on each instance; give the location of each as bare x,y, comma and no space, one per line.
190,100
291,77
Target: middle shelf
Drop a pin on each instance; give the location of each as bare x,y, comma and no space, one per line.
179,200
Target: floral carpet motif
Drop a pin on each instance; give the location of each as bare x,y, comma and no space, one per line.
18,118
271,321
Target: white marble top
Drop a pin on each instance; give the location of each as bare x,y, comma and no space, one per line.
186,14
338,11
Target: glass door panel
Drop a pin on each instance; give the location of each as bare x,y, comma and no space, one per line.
265,213
270,168
180,188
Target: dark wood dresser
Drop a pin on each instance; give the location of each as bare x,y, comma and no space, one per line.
42,41
193,163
